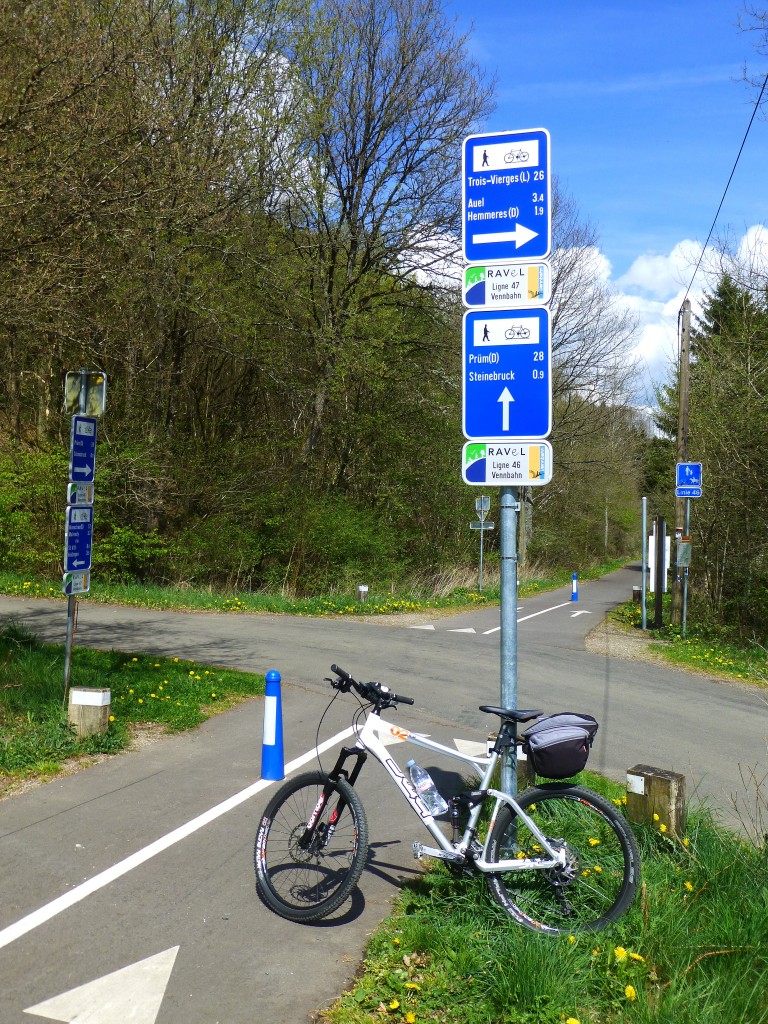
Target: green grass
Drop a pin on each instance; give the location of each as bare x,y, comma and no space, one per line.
35,738
692,950
704,647
418,598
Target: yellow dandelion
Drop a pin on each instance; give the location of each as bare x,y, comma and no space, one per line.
410,1017
655,816
572,1020
636,956
689,886
686,841
594,842
111,718
394,1004
413,985
134,659
630,993
571,939
662,827
141,700
621,954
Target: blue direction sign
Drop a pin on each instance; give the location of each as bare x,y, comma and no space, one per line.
507,374
78,538
506,190
688,477
82,454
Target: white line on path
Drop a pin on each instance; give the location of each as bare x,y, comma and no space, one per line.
69,899
531,616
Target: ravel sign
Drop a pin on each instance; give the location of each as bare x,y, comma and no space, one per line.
507,463
506,196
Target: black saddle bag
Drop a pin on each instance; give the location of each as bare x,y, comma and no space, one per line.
558,746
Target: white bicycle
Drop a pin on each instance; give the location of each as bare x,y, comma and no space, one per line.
558,857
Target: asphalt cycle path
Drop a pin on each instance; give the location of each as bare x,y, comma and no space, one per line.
130,885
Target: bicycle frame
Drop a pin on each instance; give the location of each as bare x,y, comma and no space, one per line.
369,739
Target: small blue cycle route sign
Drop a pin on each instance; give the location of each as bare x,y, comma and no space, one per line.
82,454
688,479
78,538
506,196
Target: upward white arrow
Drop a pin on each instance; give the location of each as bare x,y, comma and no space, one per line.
505,398
130,995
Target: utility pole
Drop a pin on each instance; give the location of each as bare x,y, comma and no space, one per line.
683,390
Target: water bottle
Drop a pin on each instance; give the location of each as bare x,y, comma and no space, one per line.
426,788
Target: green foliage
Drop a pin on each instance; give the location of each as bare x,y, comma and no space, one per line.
35,736
686,951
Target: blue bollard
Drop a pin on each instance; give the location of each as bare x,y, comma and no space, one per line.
272,757
574,587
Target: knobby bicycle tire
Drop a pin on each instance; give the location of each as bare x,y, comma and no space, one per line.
602,871
306,884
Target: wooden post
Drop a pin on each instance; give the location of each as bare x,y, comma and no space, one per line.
657,796
88,710
683,390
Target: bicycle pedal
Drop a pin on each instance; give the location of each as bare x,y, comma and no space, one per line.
417,848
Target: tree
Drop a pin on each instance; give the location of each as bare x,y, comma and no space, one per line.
387,92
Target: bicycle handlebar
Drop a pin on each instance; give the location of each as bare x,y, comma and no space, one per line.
374,692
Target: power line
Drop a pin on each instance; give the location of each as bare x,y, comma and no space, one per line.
725,190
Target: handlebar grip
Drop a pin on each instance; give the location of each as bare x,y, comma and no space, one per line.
341,674
403,700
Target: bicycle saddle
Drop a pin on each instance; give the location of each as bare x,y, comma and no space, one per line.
511,714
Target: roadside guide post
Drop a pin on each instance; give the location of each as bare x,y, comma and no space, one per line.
482,505
507,350
84,400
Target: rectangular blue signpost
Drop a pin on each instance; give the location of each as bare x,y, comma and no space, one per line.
78,538
688,476
82,453
506,190
507,374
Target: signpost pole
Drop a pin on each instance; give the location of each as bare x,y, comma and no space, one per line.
508,541
72,599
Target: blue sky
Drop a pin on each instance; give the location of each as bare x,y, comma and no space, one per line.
647,109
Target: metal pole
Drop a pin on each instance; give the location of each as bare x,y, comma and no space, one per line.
71,599
508,542
685,571
480,580
645,560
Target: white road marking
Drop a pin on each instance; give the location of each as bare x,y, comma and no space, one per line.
91,885
584,612
132,993
523,618
471,748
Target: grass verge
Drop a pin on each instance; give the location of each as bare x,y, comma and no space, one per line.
692,950
704,648
422,597
35,738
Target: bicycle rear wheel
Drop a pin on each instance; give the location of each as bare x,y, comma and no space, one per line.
597,883
301,874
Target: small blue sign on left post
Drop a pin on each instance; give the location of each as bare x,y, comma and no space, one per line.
78,538
82,452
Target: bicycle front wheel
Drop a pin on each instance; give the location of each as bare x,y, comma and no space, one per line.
311,847
601,870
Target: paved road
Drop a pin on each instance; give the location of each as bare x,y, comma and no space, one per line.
146,859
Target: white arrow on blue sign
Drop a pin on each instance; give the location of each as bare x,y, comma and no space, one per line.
78,538
82,452
507,374
506,196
